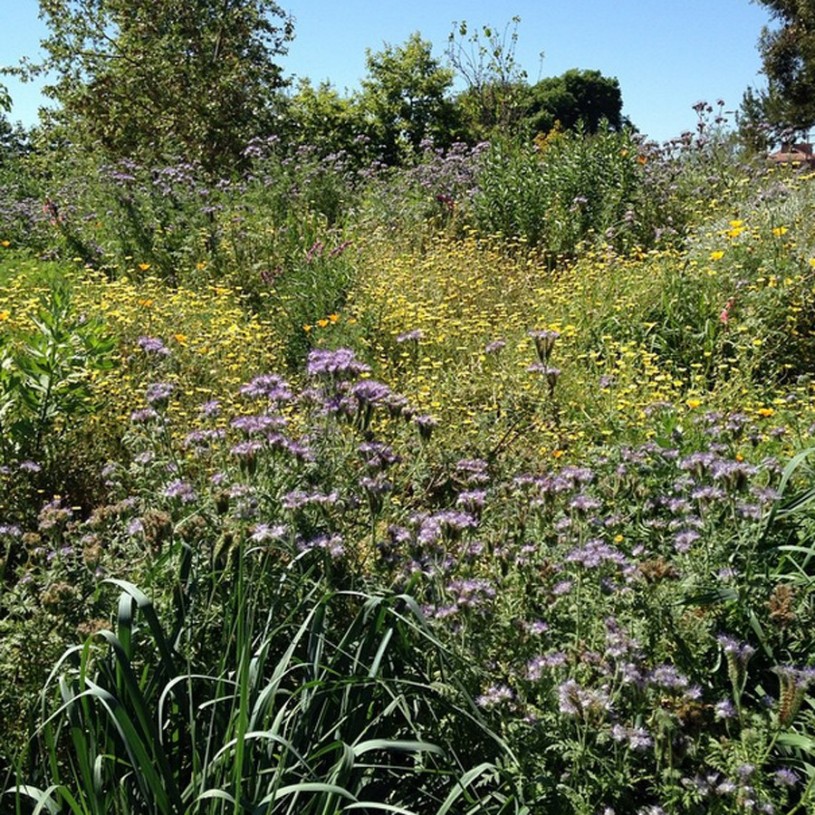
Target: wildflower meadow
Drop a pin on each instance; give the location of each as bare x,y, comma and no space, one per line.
477,484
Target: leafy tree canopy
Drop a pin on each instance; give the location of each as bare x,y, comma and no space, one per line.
577,97
788,56
160,78
405,99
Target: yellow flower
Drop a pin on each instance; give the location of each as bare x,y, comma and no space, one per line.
779,231
558,453
765,412
322,323
307,328
717,255
181,339
333,318
144,266
5,244
693,403
4,315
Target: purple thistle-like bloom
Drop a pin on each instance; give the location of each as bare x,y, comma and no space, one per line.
448,523
298,499
494,696
29,466
153,345
135,527
595,553
725,709
666,676
733,648
339,364
180,489
472,593
257,425
332,544
411,336
537,665
11,530
370,391
584,503
573,700
473,468
265,532
638,738
246,449
786,777
159,393
210,409
561,588
268,386
684,540
143,416
378,456
495,346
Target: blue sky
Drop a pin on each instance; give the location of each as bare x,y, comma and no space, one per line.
666,55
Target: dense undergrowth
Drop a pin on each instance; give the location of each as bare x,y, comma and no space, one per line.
480,486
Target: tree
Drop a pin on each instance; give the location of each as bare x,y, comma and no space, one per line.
788,57
404,98
320,117
485,59
576,97
157,79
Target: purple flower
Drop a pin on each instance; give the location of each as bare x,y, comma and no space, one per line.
786,777
638,738
495,346
264,532
595,553
268,386
683,541
143,416
725,709
666,676
411,336
210,409
153,345
339,364
573,700
370,392
180,489
159,393
298,499
256,425
494,696
332,544
378,456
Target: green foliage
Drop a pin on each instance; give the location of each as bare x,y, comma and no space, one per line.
485,59
45,378
788,56
577,98
162,80
570,189
404,99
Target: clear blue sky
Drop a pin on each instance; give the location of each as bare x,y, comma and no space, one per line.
666,55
